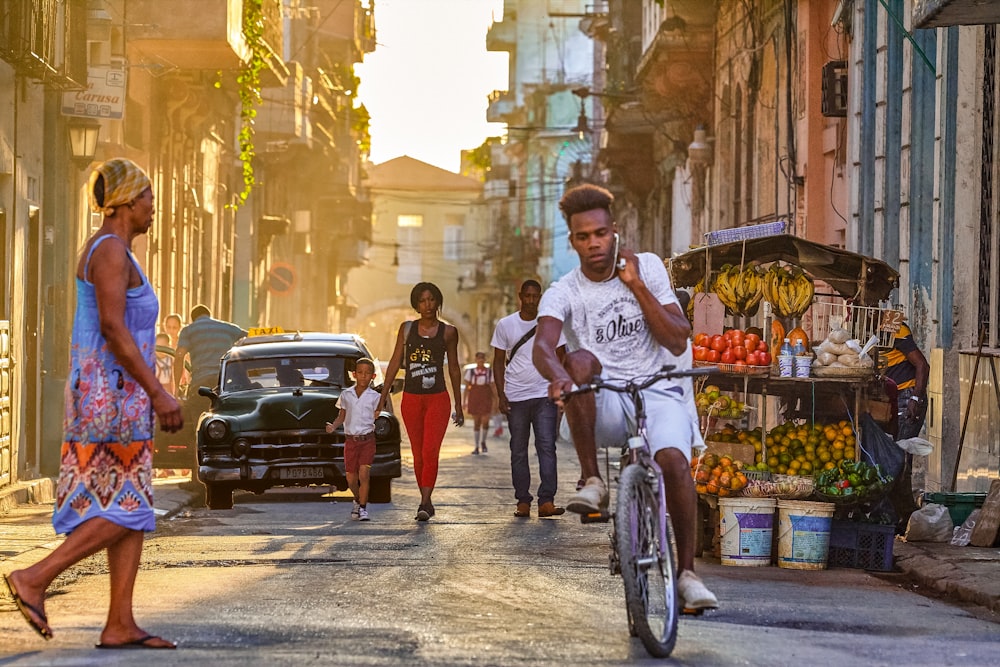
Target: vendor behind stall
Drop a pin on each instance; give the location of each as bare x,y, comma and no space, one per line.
908,369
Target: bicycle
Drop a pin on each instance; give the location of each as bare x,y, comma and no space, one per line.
642,542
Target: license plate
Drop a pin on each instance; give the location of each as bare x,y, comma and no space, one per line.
303,472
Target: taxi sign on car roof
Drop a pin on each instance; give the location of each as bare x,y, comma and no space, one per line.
264,331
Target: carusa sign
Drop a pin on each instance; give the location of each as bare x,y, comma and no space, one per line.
104,96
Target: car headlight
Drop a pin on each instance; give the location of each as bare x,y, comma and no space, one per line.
240,447
216,429
383,427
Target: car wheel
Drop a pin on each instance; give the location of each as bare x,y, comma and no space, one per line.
219,496
381,490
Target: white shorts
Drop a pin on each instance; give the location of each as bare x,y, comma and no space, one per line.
670,420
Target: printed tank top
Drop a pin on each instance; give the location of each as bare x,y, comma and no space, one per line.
423,359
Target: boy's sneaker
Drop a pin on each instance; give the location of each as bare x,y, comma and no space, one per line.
484,446
592,498
694,594
363,514
356,511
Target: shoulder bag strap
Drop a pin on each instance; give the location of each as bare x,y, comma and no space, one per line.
517,346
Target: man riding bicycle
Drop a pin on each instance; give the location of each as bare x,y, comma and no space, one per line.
621,319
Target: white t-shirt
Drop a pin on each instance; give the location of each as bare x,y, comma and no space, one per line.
360,410
522,381
605,318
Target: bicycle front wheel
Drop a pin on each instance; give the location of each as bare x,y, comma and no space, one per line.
647,566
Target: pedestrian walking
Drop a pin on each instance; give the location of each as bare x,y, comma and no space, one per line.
358,407
423,346
523,397
478,400
104,496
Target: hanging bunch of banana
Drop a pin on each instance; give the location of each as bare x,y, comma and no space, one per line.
699,287
739,290
788,289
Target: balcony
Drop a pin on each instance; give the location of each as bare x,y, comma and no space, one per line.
943,13
502,35
501,105
283,116
164,32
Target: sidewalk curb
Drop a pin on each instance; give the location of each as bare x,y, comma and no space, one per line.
31,492
967,579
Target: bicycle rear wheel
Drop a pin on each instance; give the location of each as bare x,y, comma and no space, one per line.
647,567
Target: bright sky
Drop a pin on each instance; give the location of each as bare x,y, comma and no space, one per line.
427,81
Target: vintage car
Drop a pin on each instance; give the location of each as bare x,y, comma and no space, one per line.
267,423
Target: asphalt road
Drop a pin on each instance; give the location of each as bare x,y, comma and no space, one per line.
288,579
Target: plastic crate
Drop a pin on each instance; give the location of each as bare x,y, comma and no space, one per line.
960,505
866,546
745,233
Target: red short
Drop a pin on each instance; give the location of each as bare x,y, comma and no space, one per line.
359,450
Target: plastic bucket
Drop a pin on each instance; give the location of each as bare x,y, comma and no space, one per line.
746,526
803,534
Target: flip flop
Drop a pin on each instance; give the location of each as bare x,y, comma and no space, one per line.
27,610
141,642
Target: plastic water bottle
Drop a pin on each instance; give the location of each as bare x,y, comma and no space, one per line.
803,360
785,358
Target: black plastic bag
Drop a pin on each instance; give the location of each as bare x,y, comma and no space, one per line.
879,448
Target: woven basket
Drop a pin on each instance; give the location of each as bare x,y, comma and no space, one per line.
740,370
841,372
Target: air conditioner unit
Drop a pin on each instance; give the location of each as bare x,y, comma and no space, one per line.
835,89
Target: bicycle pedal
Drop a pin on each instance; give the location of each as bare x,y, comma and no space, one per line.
688,611
595,517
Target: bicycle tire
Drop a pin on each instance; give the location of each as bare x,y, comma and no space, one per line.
648,571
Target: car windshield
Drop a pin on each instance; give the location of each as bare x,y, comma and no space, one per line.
290,372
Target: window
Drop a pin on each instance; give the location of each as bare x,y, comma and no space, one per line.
453,235
409,235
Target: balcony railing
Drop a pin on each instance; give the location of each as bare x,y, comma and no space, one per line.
46,40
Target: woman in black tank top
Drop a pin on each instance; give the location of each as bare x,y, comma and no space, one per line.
422,348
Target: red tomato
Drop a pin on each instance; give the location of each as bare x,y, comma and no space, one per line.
719,343
702,339
736,336
764,358
763,347
739,351
727,357
712,356
751,341
751,358
739,362
700,352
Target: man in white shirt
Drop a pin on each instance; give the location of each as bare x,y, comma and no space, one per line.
523,395
622,320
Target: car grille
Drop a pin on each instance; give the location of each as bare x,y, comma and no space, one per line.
295,445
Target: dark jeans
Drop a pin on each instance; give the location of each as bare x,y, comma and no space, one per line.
541,416
901,494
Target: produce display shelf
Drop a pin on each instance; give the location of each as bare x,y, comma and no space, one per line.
761,371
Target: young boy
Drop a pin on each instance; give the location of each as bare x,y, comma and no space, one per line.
357,413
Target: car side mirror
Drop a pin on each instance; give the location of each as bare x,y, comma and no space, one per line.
207,393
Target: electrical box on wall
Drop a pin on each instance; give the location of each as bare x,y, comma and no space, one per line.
835,88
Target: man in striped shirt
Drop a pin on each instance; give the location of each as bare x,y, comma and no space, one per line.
206,340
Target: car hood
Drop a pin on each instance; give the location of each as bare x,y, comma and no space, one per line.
272,410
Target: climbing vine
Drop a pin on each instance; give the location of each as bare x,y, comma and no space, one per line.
248,82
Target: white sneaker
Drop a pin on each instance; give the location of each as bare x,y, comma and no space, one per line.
592,498
356,511
694,594
363,514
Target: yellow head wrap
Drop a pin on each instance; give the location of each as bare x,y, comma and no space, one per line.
124,180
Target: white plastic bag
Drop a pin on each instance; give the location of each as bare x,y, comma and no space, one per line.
930,523
916,446
963,534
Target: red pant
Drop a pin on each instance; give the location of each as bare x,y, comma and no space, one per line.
426,417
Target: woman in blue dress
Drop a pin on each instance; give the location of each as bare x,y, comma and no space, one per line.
104,495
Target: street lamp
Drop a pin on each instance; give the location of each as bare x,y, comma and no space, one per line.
83,135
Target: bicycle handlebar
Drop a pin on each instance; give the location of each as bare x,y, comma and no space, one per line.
625,386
